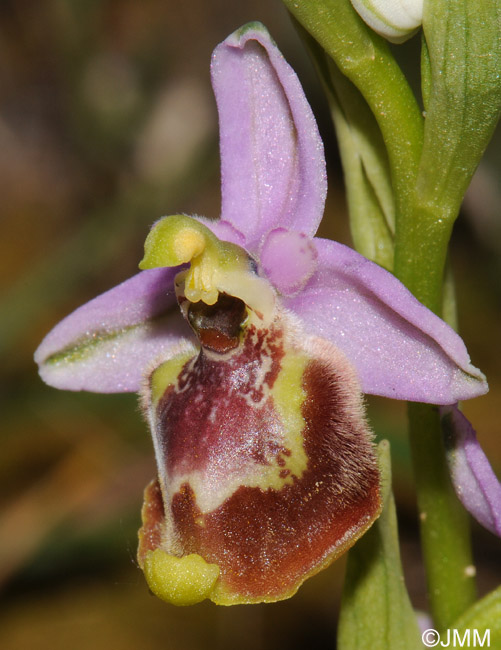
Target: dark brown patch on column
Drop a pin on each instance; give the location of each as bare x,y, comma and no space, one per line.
218,326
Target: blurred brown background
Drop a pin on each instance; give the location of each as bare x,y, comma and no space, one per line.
107,122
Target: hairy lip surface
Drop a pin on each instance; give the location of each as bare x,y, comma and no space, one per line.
267,508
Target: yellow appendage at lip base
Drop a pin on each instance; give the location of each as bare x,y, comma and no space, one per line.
215,266
179,580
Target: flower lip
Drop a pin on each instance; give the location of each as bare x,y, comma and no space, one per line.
270,424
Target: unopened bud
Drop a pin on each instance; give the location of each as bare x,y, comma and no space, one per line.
396,20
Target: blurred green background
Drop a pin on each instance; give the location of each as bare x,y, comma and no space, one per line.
107,121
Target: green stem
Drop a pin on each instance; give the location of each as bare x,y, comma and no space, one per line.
424,215
420,258
366,60
421,253
444,524
363,156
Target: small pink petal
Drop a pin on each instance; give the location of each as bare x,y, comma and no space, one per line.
289,259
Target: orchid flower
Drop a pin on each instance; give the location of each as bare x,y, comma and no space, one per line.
251,342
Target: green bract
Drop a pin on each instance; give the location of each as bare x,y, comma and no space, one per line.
463,100
376,612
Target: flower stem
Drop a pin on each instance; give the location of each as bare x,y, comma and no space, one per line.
444,524
420,257
420,254
424,215
366,60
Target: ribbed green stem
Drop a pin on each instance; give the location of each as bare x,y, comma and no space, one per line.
444,524
430,171
420,257
366,60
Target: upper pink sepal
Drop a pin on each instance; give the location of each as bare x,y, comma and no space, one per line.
272,158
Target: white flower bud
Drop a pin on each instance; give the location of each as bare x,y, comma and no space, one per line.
396,20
